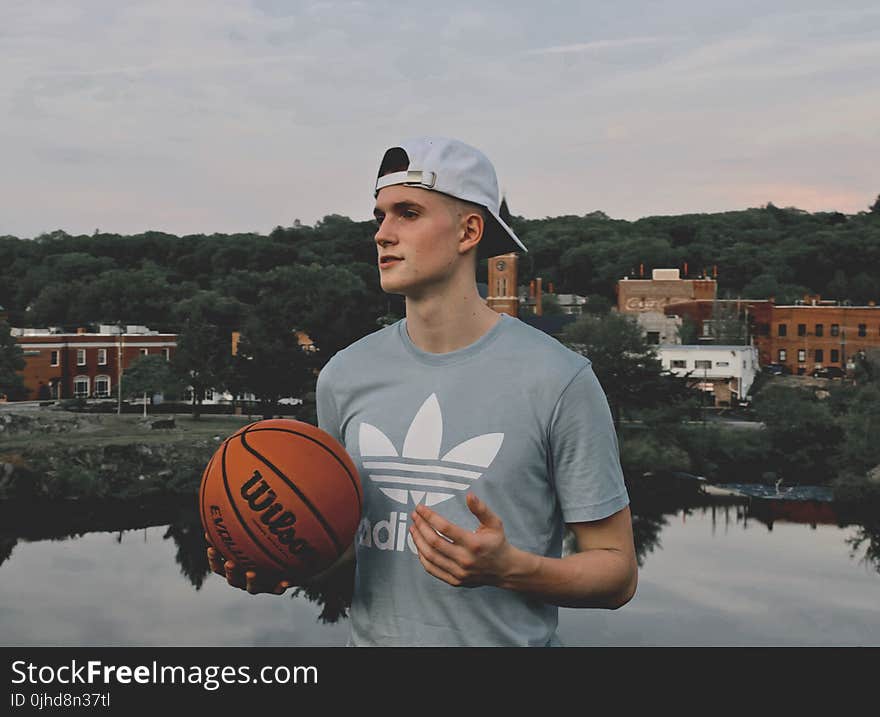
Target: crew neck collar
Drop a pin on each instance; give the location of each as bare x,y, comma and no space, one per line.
456,356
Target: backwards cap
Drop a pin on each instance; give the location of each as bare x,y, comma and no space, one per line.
459,170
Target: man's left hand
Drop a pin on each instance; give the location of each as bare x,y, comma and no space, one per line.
459,557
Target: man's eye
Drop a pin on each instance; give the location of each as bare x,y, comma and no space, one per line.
409,214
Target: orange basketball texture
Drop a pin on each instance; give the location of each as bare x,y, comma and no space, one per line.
281,497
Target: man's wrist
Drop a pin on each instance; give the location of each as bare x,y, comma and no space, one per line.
522,567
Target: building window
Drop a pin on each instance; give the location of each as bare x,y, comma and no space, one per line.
782,355
81,387
820,355
863,329
167,353
702,364
209,394
707,327
53,360
783,330
802,329
820,329
802,355
80,357
653,337
835,356
722,363
145,352
102,387
102,359
678,363
835,329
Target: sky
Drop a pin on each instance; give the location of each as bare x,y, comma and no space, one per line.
241,115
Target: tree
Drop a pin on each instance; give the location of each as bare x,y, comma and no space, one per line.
625,363
270,363
804,436
550,305
875,207
203,358
11,362
149,375
727,328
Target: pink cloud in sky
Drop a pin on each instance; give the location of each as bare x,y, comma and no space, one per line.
812,198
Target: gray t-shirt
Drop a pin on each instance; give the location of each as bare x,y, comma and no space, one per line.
516,418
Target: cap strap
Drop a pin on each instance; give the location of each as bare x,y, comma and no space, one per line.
424,179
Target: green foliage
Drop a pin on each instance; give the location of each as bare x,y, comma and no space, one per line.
625,364
11,362
149,375
803,433
550,305
861,428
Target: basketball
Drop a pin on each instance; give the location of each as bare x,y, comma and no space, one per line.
281,497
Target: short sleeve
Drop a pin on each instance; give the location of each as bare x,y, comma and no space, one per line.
328,414
584,451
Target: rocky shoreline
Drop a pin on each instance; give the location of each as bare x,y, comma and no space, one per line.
62,456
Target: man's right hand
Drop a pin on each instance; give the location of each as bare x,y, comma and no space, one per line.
244,580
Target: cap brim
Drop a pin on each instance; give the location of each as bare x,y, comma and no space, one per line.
498,238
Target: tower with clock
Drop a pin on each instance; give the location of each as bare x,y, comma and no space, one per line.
502,295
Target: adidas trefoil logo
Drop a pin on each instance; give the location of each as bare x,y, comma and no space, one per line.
424,475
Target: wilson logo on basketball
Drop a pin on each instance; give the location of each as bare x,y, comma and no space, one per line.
261,499
422,475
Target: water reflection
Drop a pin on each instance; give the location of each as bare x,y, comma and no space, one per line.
657,512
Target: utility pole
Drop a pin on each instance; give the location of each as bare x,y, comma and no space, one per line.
119,347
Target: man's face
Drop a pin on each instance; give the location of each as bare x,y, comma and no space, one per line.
421,230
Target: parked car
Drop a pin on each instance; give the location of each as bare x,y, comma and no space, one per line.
776,369
828,372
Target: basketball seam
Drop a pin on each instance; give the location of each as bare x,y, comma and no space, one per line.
354,483
241,520
302,496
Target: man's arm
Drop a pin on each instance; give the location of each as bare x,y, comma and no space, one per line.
603,574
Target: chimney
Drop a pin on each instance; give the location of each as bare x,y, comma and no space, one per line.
685,270
81,330
532,289
550,289
538,308
715,271
642,271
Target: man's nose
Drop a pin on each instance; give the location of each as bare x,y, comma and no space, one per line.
384,235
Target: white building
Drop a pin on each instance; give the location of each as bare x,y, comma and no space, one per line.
727,372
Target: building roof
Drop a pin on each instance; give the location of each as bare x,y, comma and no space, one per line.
707,347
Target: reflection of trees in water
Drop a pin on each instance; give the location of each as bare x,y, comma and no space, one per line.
189,538
334,594
868,535
6,546
646,533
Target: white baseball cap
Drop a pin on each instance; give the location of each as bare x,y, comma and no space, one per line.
452,167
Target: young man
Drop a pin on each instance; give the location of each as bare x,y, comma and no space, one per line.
477,437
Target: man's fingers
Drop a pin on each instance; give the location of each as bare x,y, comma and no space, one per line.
482,513
441,525
426,532
433,556
215,562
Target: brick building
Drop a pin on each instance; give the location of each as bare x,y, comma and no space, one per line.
665,287
68,365
814,333
810,334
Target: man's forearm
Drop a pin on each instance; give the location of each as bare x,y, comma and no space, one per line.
602,578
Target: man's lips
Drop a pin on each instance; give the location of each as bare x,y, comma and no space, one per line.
387,261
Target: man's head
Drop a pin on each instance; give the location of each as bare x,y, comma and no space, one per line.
437,198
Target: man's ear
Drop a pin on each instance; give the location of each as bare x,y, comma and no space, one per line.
472,228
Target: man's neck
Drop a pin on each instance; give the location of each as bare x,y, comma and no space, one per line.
448,321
